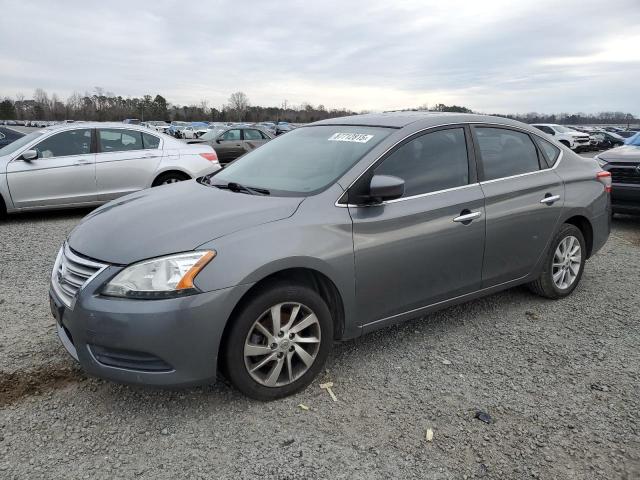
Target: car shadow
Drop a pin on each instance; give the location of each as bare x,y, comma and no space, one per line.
46,215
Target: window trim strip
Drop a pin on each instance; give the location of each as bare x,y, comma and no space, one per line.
432,127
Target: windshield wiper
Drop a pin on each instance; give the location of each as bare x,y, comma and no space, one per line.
237,187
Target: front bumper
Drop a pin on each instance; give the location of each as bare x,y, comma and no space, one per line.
169,342
625,198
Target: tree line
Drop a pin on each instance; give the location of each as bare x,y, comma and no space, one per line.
101,105
106,106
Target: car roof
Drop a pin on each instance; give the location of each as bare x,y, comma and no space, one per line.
75,125
422,119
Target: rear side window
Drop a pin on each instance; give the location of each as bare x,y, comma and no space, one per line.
71,142
150,141
119,140
431,162
506,152
251,134
551,151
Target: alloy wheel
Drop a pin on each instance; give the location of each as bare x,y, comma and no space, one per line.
567,261
282,344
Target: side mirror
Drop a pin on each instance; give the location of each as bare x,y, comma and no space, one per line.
385,187
29,155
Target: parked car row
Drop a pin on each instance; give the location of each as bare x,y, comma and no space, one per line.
87,164
585,138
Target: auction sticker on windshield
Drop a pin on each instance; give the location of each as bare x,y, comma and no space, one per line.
350,137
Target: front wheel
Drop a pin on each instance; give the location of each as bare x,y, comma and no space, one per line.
564,264
278,342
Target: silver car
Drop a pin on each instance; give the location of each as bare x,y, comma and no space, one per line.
331,231
75,165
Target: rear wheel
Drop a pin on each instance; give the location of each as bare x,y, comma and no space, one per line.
170,177
278,342
564,264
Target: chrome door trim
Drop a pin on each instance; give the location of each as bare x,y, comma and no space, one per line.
461,124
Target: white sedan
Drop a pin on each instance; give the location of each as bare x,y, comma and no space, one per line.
87,164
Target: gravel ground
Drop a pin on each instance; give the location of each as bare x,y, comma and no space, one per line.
559,379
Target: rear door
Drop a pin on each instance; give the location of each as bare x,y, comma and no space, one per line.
229,145
126,161
417,250
524,198
62,175
253,138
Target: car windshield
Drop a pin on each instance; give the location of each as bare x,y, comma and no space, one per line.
304,161
633,140
19,143
562,129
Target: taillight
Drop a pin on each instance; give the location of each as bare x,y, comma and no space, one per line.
604,178
211,156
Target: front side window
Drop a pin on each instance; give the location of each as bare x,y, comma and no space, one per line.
232,135
119,140
304,161
431,162
150,141
63,144
506,152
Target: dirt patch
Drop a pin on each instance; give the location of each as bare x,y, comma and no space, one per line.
17,385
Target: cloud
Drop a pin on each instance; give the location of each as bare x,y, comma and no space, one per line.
493,56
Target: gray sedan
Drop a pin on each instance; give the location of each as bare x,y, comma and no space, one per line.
331,231
87,164
233,142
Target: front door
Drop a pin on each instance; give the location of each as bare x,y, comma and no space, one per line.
229,146
524,198
63,174
427,246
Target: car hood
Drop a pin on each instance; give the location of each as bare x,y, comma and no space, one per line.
625,153
578,134
170,219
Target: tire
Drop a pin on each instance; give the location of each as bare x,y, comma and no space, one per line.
545,285
170,177
280,359
3,209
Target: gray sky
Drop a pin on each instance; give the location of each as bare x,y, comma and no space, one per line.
492,56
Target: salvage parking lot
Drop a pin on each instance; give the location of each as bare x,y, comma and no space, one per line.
559,383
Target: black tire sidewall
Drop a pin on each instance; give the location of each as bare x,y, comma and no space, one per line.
234,366
166,176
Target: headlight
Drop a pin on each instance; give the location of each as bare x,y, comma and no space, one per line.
161,277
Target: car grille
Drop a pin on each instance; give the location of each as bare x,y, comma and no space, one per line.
582,139
70,273
625,175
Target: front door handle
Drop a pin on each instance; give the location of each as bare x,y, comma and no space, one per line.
549,199
467,216
82,161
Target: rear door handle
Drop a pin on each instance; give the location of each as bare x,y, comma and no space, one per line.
82,161
466,216
549,199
